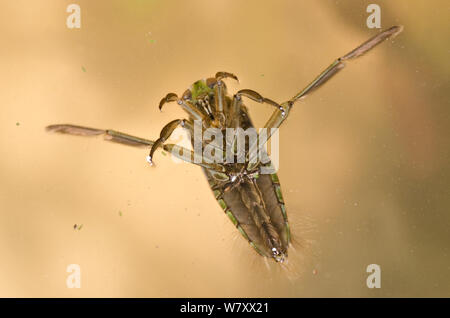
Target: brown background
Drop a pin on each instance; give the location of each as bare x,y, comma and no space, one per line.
364,162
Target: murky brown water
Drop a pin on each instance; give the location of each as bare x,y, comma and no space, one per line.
364,162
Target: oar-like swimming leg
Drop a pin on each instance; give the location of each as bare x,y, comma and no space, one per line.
108,134
278,117
129,140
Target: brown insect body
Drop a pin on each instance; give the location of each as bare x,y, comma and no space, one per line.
252,200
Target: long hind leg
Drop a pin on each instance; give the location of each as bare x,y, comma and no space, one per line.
108,134
129,140
278,117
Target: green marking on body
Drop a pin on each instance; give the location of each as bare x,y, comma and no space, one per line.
164,153
279,194
217,193
243,232
283,211
288,232
222,204
232,218
275,178
199,88
256,248
211,182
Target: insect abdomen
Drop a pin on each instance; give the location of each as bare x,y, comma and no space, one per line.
257,209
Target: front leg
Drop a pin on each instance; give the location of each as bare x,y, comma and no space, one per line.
235,115
175,150
164,135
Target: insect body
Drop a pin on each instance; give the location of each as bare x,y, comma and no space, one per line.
250,196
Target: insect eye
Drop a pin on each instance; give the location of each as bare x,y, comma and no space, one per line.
210,82
187,95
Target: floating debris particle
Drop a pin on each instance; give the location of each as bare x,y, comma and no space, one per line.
17,124
120,213
83,68
77,227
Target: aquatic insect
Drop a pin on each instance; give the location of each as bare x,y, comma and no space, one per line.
252,200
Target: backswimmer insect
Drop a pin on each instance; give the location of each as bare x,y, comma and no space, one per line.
252,200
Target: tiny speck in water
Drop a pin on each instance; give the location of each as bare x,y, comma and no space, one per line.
84,70
17,124
120,213
314,272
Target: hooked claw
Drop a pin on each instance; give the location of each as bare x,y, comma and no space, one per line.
221,75
171,97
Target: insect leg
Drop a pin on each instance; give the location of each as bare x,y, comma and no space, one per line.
219,94
108,134
219,97
125,139
164,135
221,75
195,112
233,115
188,156
258,98
276,119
